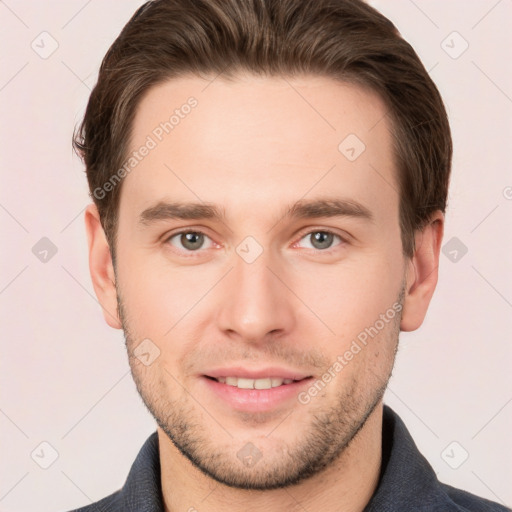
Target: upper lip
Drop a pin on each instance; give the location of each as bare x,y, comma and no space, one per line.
261,373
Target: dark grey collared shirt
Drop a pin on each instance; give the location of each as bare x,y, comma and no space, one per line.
407,481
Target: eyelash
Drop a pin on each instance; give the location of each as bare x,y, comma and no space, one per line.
192,254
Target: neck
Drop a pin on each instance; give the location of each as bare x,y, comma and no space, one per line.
346,485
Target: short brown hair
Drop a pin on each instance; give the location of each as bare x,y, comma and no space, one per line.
346,40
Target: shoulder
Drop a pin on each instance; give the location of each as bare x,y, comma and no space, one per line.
141,491
465,501
408,482
110,503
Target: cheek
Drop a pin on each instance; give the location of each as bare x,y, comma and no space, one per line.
161,299
350,295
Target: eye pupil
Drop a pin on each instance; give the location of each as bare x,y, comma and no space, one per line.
192,241
321,239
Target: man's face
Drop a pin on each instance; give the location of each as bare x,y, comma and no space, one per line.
270,290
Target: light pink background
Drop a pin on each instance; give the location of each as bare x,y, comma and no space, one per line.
64,376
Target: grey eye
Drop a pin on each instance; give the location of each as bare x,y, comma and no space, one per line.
320,240
190,241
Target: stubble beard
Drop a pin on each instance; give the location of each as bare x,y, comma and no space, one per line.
330,431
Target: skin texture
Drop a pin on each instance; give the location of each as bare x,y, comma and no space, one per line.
254,147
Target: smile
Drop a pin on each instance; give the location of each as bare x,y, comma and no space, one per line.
245,383
257,393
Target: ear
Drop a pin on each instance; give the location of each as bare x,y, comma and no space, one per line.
101,267
421,273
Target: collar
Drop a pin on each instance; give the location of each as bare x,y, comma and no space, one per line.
407,481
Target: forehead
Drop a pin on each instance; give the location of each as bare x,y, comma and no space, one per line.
274,140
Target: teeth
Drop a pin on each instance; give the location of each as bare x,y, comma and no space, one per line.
276,382
246,383
262,384
231,381
243,383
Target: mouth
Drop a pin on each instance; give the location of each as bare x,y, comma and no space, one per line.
263,383
250,391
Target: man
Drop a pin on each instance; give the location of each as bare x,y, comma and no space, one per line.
269,182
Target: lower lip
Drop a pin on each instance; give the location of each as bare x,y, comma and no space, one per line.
256,400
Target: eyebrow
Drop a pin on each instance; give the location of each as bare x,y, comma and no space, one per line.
302,209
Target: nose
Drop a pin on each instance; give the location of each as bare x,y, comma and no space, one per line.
256,304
